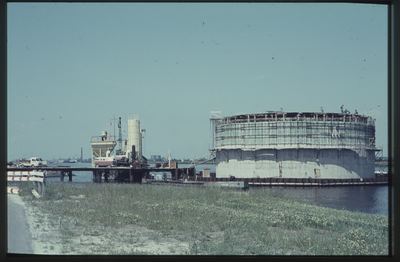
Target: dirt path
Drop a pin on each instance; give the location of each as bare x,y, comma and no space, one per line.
19,235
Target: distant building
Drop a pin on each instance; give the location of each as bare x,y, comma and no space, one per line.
156,157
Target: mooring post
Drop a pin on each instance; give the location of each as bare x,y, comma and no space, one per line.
130,175
70,176
97,176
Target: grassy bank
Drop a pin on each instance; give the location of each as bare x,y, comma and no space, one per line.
214,221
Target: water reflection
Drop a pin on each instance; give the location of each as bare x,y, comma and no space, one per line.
367,199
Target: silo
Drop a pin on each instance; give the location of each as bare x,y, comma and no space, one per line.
134,136
280,144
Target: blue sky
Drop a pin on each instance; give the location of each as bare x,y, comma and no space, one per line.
72,67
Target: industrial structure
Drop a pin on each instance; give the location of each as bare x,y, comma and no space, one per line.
102,144
127,163
131,151
262,149
279,144
128,154
134,140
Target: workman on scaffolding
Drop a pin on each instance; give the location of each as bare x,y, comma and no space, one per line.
164,176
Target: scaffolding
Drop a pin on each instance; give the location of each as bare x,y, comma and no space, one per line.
294,130
294,145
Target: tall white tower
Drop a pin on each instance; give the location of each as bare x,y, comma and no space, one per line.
135,136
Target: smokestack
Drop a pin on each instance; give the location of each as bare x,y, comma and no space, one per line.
81,154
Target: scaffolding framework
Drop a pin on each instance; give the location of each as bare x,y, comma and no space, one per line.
294,145
294,130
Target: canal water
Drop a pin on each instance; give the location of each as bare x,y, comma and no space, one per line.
367,199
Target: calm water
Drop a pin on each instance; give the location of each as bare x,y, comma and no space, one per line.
368,199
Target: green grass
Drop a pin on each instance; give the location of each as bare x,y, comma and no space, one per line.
220,221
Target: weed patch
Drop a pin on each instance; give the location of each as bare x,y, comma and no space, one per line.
215,221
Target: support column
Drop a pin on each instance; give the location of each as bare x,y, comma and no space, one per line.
106,176
70,176
97,176
62,176
130,175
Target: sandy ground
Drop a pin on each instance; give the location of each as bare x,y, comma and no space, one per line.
57,235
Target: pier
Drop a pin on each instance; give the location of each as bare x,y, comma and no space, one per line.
301,181
120,173
136,175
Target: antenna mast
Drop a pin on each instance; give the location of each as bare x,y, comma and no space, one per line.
115,137
120,135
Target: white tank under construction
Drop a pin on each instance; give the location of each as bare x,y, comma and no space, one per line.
279,144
